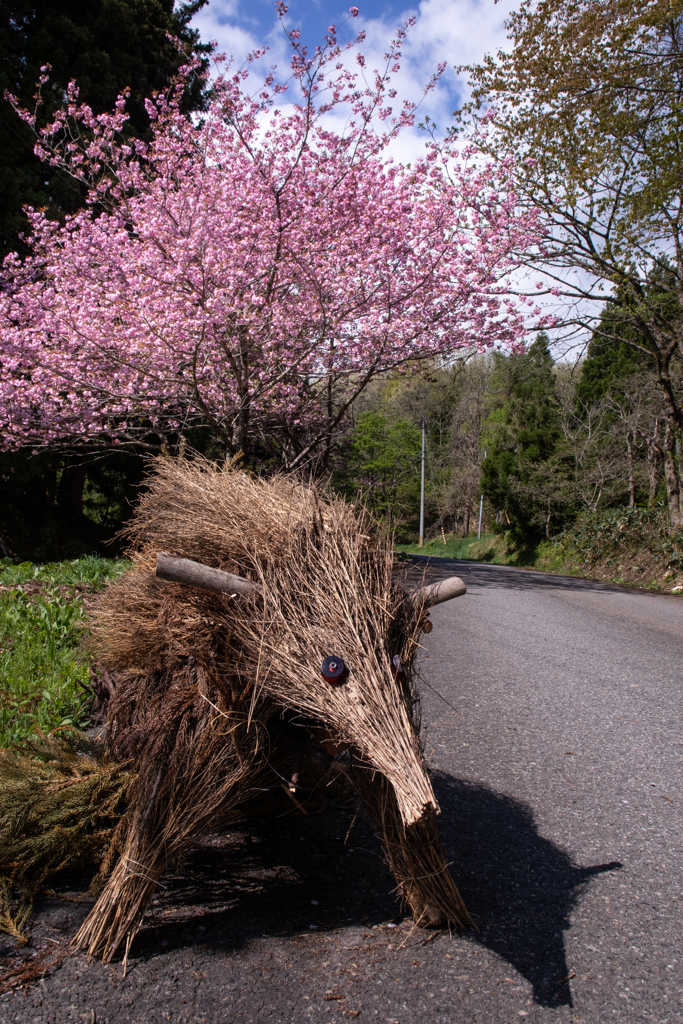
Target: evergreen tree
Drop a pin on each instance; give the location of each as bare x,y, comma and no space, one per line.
105,46
620,378
607,363
521,434
381,462
617,349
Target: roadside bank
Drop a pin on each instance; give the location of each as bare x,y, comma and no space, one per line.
631,547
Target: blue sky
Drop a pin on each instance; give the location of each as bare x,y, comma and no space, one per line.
455,31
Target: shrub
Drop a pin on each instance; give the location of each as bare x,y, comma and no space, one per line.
597,535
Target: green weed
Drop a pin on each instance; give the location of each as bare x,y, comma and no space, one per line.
455,547
92,571
42,664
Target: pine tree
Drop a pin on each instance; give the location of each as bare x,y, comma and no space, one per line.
105,46
622,372
521,434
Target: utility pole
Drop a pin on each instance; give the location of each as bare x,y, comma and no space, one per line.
481,509
422,488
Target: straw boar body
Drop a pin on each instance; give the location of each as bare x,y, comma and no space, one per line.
211,685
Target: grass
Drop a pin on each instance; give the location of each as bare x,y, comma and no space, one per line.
491,547
42,663
455,547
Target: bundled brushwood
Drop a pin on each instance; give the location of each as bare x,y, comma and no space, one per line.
414,854
62,806
220,694
198,756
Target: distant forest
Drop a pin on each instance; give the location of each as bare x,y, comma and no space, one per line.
542,440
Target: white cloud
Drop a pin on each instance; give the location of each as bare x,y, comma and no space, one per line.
235,33
454,31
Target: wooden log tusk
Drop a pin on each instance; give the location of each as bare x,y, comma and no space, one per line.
194,574
436,593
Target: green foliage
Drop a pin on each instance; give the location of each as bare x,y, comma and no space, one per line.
608,362
627,530
521,434
620,346
106,46
591,91
382,465
42,665
381,456
93,572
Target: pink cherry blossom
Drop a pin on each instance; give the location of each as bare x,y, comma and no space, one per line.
254,269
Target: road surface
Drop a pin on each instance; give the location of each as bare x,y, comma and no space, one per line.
552,709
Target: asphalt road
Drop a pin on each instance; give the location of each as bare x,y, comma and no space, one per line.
555,738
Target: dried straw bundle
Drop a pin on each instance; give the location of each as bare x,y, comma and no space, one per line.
213,689
197,759
415,855
62,806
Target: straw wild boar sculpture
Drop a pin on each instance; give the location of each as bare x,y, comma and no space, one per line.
262,634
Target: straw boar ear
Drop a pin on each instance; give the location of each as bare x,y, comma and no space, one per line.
194,574
436,593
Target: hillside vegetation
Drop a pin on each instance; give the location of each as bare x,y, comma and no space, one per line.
630,546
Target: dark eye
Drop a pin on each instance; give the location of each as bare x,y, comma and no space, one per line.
397,667
333,670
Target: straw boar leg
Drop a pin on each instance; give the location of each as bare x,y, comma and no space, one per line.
203,785
118,913
117,916
415,855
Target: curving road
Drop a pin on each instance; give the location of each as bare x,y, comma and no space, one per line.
552,709
564,749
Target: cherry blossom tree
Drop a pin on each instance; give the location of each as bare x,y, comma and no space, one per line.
255,268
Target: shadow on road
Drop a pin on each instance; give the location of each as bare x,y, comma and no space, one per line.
519,887
481,574
282,875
